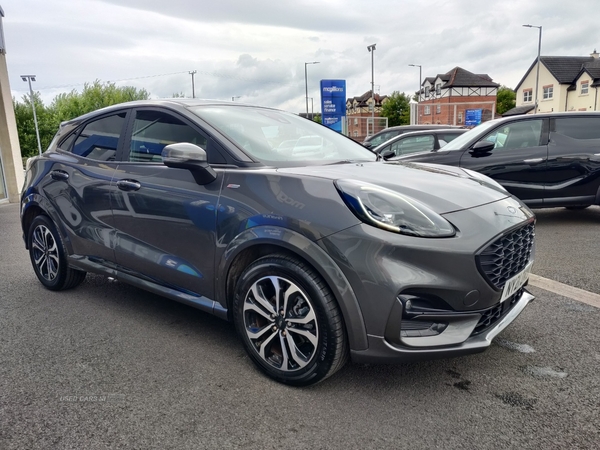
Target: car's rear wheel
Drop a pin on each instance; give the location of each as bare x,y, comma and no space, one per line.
576,208
48,257
289,321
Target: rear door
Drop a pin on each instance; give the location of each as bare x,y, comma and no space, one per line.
573,160
78,184
165,221
518,160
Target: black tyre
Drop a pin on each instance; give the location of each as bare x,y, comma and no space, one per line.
576,208
48,256
289,321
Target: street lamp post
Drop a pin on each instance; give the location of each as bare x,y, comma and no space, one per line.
29,79
420,81
371,49
233,98
306,83
192,73
537,74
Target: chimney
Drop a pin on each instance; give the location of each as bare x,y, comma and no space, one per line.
595,54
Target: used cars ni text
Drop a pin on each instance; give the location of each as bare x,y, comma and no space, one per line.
317,255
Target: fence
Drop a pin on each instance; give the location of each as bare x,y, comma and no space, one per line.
359,127
457,113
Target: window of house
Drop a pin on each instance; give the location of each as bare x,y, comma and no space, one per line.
99,139
355,133
548,92
527,95
585,86
460,117
426,91
438,89
427,110
438,109
356,121
153,130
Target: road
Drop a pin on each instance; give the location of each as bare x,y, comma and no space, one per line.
109,366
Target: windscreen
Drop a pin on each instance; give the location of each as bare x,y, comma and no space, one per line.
279,138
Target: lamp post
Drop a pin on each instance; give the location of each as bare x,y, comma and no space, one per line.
29,79
537,75
192,72
306,83
233,98
371,49
420,81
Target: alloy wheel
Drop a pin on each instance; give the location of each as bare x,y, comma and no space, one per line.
45,252
280,323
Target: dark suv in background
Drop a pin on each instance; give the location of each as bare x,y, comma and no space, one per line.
385,135
546,160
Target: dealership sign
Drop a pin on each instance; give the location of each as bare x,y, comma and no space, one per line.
333,103
472,117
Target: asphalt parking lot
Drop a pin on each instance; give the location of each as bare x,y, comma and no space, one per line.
109,366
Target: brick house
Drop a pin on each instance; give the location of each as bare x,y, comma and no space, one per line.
566,83
358,115
445,98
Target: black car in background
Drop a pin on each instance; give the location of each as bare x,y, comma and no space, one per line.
388,133
546,160
418,141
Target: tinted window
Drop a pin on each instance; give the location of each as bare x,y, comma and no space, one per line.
380,139
578,127
523,134
413,144
99,139
68,142
153,130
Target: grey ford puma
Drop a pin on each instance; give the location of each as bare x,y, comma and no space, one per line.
313,246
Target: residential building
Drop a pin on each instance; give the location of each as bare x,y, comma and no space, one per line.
359,112
445,98
566,83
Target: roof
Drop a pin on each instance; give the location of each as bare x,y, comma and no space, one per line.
362,99
566,69
518,110
459,77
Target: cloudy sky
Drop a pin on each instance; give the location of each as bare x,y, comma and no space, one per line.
256,49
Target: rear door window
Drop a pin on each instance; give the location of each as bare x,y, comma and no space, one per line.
99,139
413,144
578,127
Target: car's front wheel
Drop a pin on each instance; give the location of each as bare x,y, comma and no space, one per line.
48,258
289,321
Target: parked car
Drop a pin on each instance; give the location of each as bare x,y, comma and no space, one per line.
386,134
546,160
316,256
418,141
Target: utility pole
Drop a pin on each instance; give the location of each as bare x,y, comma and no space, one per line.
29,79
192,73
371,49
306,83
537,75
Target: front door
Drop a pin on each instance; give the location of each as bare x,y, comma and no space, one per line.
165,221
518,160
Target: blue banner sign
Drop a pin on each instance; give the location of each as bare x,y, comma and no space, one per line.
472,117
333,103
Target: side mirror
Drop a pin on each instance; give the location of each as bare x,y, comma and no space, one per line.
387,154
184,155
483,147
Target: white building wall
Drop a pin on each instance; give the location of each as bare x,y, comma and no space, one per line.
584,102
556,104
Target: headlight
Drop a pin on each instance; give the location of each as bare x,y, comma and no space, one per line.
484,179
391,211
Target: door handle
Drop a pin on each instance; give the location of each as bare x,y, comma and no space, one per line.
59,175
128,185
533,161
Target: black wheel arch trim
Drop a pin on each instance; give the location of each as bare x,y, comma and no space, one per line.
37,200
321,262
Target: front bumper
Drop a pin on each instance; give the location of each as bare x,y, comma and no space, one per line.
382,349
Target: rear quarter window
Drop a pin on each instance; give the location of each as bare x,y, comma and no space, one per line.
578,127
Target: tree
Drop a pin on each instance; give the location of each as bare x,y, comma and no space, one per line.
66,106
505,99
47,124
94,96
397,109
317,118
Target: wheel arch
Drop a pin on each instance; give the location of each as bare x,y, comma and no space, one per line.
262,241
34,205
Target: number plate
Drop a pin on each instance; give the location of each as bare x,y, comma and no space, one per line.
516,282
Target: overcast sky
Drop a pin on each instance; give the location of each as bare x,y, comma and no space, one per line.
256,49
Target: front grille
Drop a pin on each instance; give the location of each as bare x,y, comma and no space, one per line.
490,316
506,256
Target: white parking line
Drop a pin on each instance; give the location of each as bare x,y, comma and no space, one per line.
565,290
